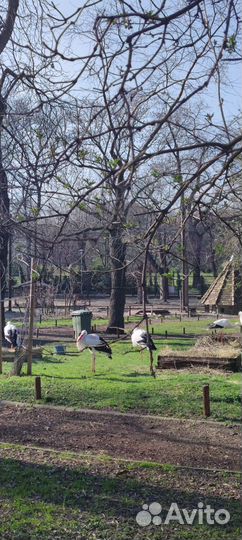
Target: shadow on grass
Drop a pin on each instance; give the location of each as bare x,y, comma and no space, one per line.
103,491
46,360
227,399
65,378
176,344
97,376
137,374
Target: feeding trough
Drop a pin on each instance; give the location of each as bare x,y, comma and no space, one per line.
9,355
60,349
213,362
206,353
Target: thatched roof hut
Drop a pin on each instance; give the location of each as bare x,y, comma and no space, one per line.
225,293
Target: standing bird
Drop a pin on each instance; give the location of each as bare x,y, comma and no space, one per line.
94,343
141,340
11,334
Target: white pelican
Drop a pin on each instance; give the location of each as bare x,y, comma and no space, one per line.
95,343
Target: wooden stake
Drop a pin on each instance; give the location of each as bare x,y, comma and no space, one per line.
31,318
37,388
206,400
93,362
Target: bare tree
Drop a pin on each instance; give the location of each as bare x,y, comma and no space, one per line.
141,69
26,69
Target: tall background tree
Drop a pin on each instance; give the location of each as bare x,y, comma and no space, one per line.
142,74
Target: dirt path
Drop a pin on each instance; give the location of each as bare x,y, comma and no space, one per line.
180,442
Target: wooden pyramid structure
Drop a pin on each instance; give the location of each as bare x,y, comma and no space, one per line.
225,293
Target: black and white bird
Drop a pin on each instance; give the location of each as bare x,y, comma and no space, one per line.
140,339
225,323
11,334
222,324
94,342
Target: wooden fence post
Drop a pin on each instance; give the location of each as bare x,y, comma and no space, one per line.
206,400
37,388
31,318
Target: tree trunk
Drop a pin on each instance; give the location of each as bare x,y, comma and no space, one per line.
164,288
19,360
196,282
118,281
4,219
139,290
164,283
10,279
213,262
156,285
185,269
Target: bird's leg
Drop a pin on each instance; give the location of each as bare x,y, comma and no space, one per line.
93,361
221,338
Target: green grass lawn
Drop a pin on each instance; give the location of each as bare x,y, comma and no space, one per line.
47,495
172,325
124,383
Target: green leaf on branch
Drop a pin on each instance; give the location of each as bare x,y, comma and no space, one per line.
82,154
231,43
129,225
155,173
98,158
177,178
219,249
20,218
35,211
82,206
39,134
114,163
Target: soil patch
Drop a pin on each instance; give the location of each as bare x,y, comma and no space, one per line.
180,442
